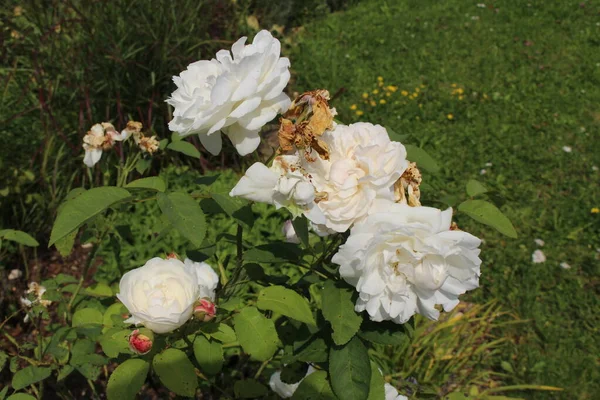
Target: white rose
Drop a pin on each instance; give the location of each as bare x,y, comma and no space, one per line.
363,166
236,93
161,294
289,232
404,260
284,184
286,390
392,394
206,276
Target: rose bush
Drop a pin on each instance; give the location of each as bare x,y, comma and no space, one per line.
307,315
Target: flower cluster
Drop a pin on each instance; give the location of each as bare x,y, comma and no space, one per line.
163,294
103,136
402,258
237,94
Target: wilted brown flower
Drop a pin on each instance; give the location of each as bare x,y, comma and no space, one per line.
406,189
307,119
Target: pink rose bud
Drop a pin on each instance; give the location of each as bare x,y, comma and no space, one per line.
139,343
172,255
205,310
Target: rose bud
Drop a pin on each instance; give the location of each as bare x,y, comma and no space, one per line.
172,255
139,343
205,310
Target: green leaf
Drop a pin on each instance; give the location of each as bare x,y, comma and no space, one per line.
314,387
209,355
488,214
142,165
29,375
422,158
377,384
115,311
84,207
249,389
86,316
152,183
176,372
64,372
3,359
294,372
314,350
185,214
21,396
256,333
237,208
99,290
385,332
127,380
300,225
65,245
338,310
207,180
475,188
274,252
395,136
184,147
19,237
350,370
287,302
219,331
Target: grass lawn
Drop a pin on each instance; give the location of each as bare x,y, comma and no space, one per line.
508,94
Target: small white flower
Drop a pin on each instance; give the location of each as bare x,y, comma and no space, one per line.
286,390
564,265
567,149
392,394
475,17
148,144
161,294
100,137
539,242
15,274
404,260
594,168
488,164
483,172
481,5
237,94
288,231
538,257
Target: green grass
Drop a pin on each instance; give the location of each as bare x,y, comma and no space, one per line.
530,75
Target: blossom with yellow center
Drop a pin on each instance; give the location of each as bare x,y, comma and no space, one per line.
359,112
353,107
365,95
404,93
382,101
595,210
450,117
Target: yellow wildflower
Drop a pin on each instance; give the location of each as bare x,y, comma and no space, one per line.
380,78
388,94
18,11
415,94
420,105
417,89
375,91
372,103
460,91
404,93
359,113
485,96
380,84
392,88
450,117
382,101
461,97
353,107
453,85
422,86
365,95
595,210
